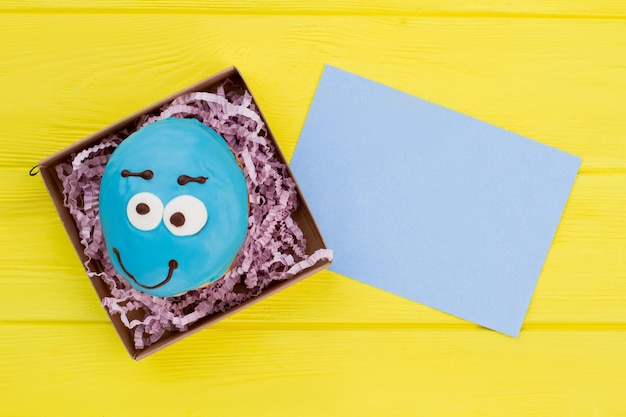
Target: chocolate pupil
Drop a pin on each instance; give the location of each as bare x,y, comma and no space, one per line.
177,219
142,208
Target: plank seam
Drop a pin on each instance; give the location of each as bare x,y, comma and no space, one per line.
330,13
351,326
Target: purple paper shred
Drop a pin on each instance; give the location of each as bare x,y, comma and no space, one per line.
274,249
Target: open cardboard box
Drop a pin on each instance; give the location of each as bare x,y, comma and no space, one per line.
302,216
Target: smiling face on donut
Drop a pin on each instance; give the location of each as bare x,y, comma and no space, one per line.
173,207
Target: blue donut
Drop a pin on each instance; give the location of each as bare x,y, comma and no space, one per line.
173,207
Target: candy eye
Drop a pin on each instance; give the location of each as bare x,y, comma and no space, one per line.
185,215
144,211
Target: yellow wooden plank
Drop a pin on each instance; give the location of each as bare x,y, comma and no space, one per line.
557,81
536,8
82,370
546,79
582,281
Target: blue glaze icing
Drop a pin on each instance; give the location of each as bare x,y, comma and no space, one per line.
173,238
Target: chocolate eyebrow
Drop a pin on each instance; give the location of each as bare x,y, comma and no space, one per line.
146,175
186,179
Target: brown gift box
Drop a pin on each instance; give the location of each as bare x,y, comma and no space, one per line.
302,216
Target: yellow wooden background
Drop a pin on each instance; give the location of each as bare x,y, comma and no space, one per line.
553,70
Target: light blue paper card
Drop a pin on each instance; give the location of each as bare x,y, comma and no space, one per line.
430,204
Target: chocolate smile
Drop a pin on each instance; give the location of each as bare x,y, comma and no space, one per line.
172,266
